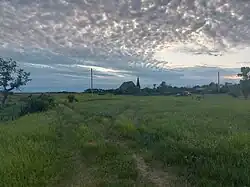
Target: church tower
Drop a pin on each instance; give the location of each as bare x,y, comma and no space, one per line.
138,83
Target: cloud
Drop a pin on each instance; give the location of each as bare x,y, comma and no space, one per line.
121,28
59,41
231,77
106,71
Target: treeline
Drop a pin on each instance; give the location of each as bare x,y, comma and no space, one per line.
127,88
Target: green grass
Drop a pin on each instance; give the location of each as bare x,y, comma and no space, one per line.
93,142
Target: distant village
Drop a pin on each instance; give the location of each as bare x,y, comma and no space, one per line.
130,88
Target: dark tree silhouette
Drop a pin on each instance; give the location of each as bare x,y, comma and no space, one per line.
244,73
245,82
163,84
154,86
11,77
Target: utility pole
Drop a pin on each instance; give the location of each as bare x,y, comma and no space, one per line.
218,82
91,80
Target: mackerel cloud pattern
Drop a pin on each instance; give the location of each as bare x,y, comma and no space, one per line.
124,28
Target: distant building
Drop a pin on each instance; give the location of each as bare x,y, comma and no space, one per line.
127,85
128,88
138,83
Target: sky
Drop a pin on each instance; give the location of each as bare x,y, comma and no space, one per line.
181,42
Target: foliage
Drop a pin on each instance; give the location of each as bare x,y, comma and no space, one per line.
164,89
10,112
11,77
233,90
72,98
154,86
30,104
245,87
245,82
244,73
233,94
39,103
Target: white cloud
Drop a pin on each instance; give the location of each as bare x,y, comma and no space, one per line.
65,38
107,71
37,65
177,57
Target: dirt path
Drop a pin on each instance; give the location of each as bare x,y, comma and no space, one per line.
148,176
156,177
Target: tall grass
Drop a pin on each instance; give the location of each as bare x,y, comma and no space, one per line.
51,148
207,141
92,142
29,153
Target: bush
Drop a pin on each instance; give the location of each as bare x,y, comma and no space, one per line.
72,98
233,94
10,112
30,104
39,103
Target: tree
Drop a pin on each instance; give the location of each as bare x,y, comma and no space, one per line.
154,86
244,73
11,77
212,88
245,82
162,87
163,84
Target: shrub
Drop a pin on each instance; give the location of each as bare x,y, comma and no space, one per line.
30,104
72,98
10,112
39,103
233,94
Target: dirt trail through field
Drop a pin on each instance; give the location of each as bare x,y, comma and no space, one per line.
156,177
148,176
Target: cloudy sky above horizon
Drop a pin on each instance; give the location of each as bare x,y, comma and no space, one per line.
183,42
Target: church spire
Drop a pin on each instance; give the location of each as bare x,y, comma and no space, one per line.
138,83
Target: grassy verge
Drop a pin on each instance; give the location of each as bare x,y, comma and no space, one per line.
31,152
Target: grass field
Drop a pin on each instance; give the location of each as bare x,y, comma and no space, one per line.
129,141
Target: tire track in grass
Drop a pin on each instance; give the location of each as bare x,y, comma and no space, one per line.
147,176
152,176
86,175
155,176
